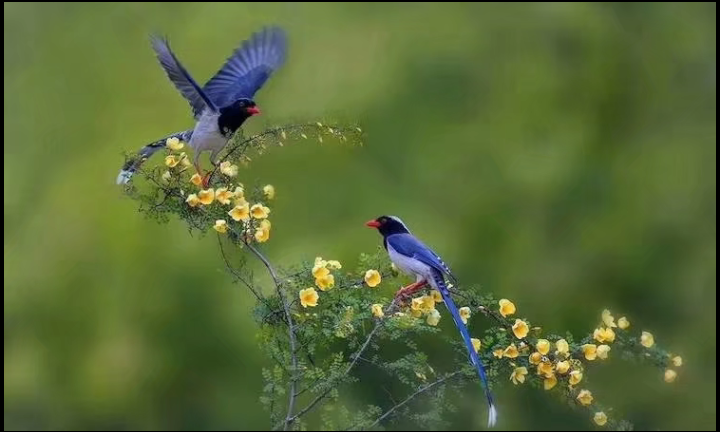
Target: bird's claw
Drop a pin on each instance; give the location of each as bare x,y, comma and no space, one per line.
206,179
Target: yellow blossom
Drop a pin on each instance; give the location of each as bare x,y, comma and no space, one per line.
585,397
670,375
476,344
602,351
511,351
623,323
433,317
166,176
604,335
590,351
173,144
171,161
562,367
239,213
262,235
506,307
518,375
326,282
309,297
550,382
319,261
600,418
677,361
543,346
265,224
196,179
499,353
377,310
334,264
192,200
437,297
575,377
372,278
464,314
520,328
608,319
416,303
427,303
417,313
545,369
647,340
184,159
206,196
228,169
239,193
535,358
223,195
269,191
259,211
220,226
320,271
562,348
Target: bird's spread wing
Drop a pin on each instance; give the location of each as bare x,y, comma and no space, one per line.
410,246
180,77
249,67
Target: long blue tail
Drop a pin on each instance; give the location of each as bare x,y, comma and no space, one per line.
492,415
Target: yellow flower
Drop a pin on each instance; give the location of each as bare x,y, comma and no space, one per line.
196,179
585,397
677,361
173,144
464,314
417,313
562,348
604,335
228,169
600,418
416,303
518,375
239,193
623,323
647,340
562,367
334,264
545,369
239,213
543,346
326,282
192,200
550,382
220,226
608,319
427,303
320,271
602,351
670,375
535,358
262,235
476,344
520,328
575,377
166,176
184,159
206,196
511,351
259,211
377,310
265,224
506,307
499,353
590,351
433,317
223,195
171,161
269,191
372,278
309,297
436,296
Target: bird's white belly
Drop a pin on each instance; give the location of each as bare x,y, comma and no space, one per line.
411,266
206,135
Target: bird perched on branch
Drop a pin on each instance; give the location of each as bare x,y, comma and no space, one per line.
226,100
414,258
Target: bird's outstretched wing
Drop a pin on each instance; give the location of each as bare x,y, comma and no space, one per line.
180,77
410,246
249,67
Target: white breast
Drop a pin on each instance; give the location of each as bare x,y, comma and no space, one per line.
206,135
411,266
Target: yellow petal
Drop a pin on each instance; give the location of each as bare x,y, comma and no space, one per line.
220,226
543,346
600,418
511,351
334,264
265,224
171,161
308,297
623,323
608,319
550,382
602,351
499,353
506,307
239,213
326,282
518,375
437,297
433,317
545,369
228,169
269,191
372,278
464,314
585,397
259,211
476,344
320,271
520,329
670,376
262,235
173,144
562,347
562,367
166,176
575,377
223,195
206,196
196,179
535,358
377,310
677,361
647,340
192,200
590,351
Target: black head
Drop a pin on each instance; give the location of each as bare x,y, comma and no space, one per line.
234,115
388,225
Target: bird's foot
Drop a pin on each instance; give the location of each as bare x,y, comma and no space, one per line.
404,294
206,179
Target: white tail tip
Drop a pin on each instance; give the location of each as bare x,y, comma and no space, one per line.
123,177
492,416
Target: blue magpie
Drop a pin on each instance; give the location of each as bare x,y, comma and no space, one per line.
414,258
226,100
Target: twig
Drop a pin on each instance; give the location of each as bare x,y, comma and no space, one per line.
237,275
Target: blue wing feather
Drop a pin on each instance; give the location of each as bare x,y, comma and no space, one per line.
409,245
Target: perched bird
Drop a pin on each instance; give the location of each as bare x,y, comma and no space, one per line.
414,258
226,100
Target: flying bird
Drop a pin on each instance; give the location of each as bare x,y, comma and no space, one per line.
225,102
414,258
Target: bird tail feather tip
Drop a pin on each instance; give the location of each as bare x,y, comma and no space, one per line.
492,416
123,177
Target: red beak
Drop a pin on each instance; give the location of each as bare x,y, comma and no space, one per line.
253,110
373,223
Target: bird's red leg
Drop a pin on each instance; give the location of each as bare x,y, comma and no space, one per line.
405,292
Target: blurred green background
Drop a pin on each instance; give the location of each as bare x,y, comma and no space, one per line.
562,155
